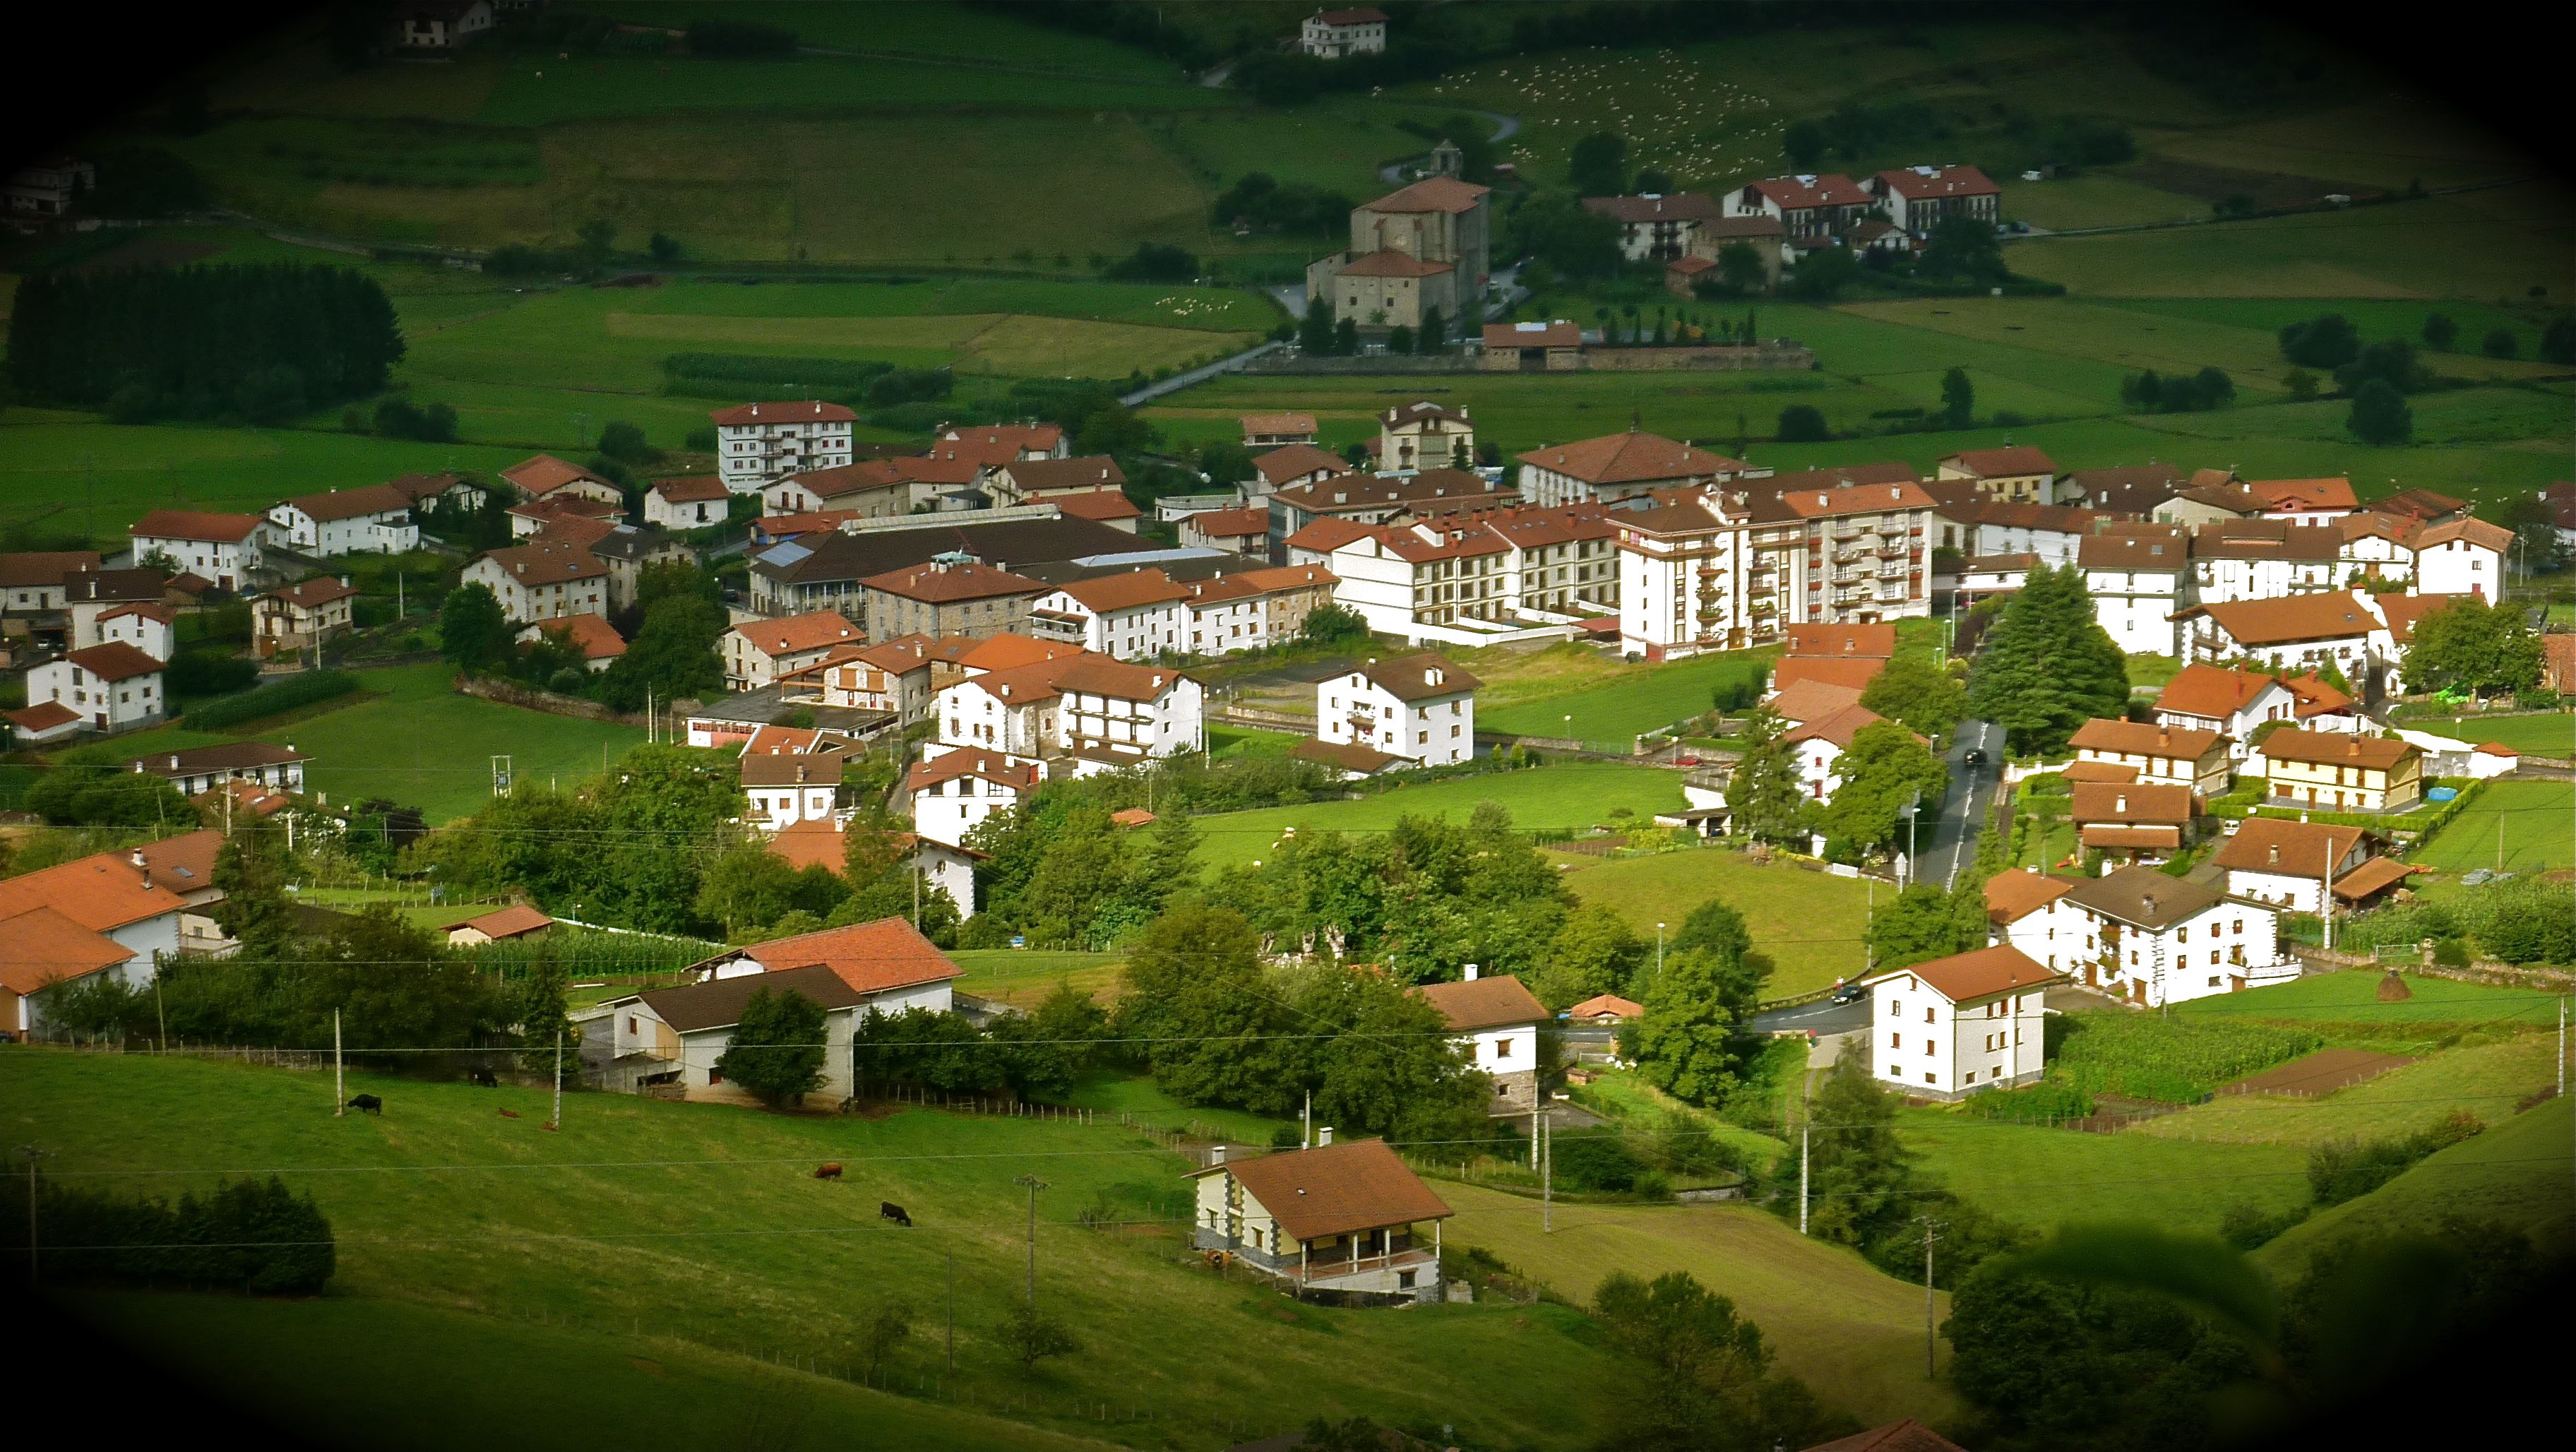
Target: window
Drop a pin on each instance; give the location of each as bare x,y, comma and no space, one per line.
630,1024
1896,1041
1929,1079
1502,1048
1927,1013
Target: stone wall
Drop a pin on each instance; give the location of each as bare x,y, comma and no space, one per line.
1732,357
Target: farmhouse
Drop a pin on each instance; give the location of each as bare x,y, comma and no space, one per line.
546,477
2330,629
2256,559
424,490
374,519
953,793
107,688
1819,744
2226,701
40,949
688,503
758,652
90,596
2187,757
48,187
675,1036
150,628
1497,1021
2017,474
224,548
1655,226
435,25
111,911
787,786
2462,557
1919,198
32,582
305,613
1333,34
563,513
1551,347
1615,467
2335,772
954,594
1807,206
2135,821
1277,430
1338,1217
2154,939
543,579
1957,1025
1288,465
2287,864
201,769
2023,911
1419,707
1035,481
757,443
497,926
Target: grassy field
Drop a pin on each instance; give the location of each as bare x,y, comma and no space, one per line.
2042,1177
1809,923
2336,1002
2487,1080
702,1223
1854,1334
2531,819
509,1383
1609,703
2515,1173
2547,734
1023,976
1574,794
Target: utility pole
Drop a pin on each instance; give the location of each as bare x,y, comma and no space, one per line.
952,1308
339,1089
1035,1184
162,1013
1802,1176
916,895
1306,1120
33,1154
1659,950
1931,1345
1547,1178
557,1121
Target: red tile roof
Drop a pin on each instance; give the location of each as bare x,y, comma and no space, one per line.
356,503
1100,504
947,584
1999,463
1632,458
1228,523
1982,973
1655,207
312,594
41,946
1295,461
509,922
1431,194
100,892
743,415
190,524
592,635
1388,262
114,660
2212,692
1423,677
992,766
2336,748
1606,1005
1854,674
2133,804
2289,619
1931,183
870,957
691,489
42,716
2335,493
1108,594
796,634
2012,896
1798,193
1838,728
2286,848
2145,738
1278,423
543,561
1838,641
28,568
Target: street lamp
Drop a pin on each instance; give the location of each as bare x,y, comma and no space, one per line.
1659,950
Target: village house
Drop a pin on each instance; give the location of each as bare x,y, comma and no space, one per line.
200,769
1549,347
758,652
48,187
107,688
2162,754
1111,507
2262,560
591,636
1340,1217
893,678
757,443
2137,575
1419,250
1334,34
1425,436
1955,1026
2287,864
2211,501
1606,1010
148,626
2373,545
1266,431
120,912
693,502
1367,500
1818,745
543,579
1419,707
1497,1021
497,926
2461,557
2304,501
675,1037
563,513
1807,206
223,548
424,490
436,25
1918,199
1349,760
824,570
2014,474
2152,939
867,489
2330,629
954,792
936,866
2024,910
2129,490
2131,821
1085,712
1982,528
1656,227
1132,616
544,476
1290,465
786,786
2231,703
1035,481
306,613
373,519
1621,466
1240,531
953,594
2335,772
32,581
89,596
992,445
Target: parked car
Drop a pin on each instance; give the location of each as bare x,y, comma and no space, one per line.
1849,993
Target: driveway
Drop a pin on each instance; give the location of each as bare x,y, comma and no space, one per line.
1953,840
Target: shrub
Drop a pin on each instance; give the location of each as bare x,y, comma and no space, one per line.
2036,1103
1803,423
210,673
2347,1168
308,689
2248,1228
2499,343
251,1236
1595,1161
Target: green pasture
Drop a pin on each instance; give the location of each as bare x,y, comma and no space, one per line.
1578,692
1568,795
1808,923
524,1225
2376,318
2534,821
2551,733
921,31
2486,1080
2340,1003
2516,1173
2043,1177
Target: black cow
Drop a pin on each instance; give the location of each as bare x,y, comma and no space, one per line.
367,1104
889,1210
486,1079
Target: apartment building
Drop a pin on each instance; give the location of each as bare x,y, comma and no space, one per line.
1959,1025
1724,568
543,579
2153,939
757,443
1615,467
2137,574
223,549
1419,707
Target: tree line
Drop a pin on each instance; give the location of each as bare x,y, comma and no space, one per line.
263,343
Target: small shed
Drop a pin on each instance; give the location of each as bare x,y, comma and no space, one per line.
493,927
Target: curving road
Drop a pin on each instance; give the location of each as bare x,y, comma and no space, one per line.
1505,128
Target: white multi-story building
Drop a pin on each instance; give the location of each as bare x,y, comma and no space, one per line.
1818,748
1957,1025
2462,557
1731,567
760,442
1399,577
221,548
1419,707
2153,939
1333,34
2138,575
1135,616
2287,864
2292,632
543,579
1987,529
1497,1020
374,519
2263,560
957,791
1084,709
2229,702
1920,198
2309,502
691,503
786,786
1613,467
108,687
2158,754
2026,910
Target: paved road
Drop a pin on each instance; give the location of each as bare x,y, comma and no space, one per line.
1819,1018
1952,843
1199,375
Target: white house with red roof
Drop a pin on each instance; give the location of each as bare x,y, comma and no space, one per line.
1292,464
543,476
1419,707
2461,557
2015,473
107,688
1818,747
373,519
693,502
1614,467
1243,531
2229,702
1807,205
1497,1020
598,641
2305,501
1333,1217
1134,616
1958,1025
956,791
297,615
760,442
118,912
1084,712
224,548
757,652
1334,34
1920,198
2023,910
148,626
893,678
542,579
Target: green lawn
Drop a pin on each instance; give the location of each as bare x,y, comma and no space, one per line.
2334,1001
2487,1080
2043,1177
2516,1173
2551,733
1023,976
508,1383
720,1200
1809,923
1574,794
2534,821
1609,710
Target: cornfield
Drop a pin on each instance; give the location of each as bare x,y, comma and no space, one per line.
2170,1061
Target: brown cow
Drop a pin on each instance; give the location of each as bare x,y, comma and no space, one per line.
829,1172
509,1114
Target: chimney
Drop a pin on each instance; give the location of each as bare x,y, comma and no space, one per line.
2120,804
1323,1138
137,858
1216,1155
2149,900
2273,859
755,410
1470,976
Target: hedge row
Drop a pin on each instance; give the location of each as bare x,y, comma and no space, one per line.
250,1235
287,695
